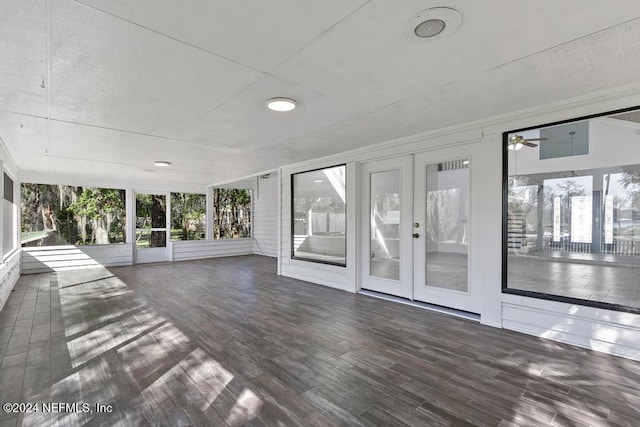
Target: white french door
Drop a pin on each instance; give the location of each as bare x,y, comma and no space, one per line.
386,226
152,234
416,228
442,208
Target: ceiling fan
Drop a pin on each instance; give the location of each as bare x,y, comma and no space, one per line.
516,142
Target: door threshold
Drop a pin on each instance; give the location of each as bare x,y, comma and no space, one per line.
426,306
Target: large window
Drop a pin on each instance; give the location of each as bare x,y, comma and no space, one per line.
318,220
63,215
188,216
231,213
572,211
9,212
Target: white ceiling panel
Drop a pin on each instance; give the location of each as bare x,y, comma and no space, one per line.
368,61
110,73
23,65
23,135
108,147
82,173
257,33
362,131
244,121
583,66
138,81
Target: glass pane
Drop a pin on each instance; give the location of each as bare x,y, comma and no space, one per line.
447,225
319,215
188,216
151,211
573,221
151,239
67,215
385,224
231,213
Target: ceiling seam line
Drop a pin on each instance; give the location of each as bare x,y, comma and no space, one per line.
49,24
230,151
171,37
224,149
322,34
563,44
227,99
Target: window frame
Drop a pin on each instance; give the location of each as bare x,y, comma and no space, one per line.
505,211
292,215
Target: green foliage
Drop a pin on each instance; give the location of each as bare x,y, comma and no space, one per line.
96,202
73,215
231,213
188,214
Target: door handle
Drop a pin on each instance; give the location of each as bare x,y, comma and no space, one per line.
416,235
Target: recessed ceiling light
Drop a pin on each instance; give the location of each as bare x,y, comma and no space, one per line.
281,104
430,28
161,164
318,180
432,24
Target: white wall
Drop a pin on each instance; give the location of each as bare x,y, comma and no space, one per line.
56,258
199,249
9,275
10,265
603,330
265,216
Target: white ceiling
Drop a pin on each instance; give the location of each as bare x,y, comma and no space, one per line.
127,83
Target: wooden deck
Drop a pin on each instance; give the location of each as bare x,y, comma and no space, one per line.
227,341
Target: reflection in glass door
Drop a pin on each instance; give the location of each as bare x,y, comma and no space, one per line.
386,226
447,225
151,228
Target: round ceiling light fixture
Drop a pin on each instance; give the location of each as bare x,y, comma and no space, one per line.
432,24
430,28
281,104
161,164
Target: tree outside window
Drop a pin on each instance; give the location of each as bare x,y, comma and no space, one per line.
231,213
188,216
63,215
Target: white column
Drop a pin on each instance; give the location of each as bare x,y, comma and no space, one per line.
131,222
209,222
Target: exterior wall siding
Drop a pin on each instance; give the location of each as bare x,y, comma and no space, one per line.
265,216
199,249
9,275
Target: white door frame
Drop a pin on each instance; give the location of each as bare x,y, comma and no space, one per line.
147,255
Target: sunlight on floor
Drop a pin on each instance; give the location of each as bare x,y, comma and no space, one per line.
122,352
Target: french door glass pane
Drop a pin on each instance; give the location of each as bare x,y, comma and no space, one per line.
385,224
447,225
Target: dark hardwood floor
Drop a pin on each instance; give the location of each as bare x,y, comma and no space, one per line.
226,341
